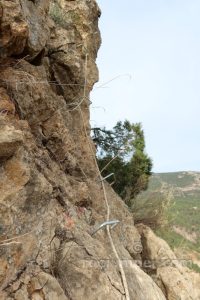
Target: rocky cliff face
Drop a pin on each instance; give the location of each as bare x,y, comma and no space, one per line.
51,195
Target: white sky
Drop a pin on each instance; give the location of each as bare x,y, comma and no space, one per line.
157,42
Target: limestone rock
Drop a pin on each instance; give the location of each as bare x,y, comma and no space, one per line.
36,15
141,286
45,287
23,26
10,140
14,29
51,197
89,265
7,107
172,274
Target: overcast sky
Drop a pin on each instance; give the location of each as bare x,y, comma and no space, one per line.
154,48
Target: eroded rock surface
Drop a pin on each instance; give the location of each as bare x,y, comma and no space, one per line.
169,272
51,198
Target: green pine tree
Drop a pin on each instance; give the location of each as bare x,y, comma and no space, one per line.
124,147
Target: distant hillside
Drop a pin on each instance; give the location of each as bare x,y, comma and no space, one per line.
181,182
177,196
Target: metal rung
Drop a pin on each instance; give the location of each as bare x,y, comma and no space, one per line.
107,177
113,223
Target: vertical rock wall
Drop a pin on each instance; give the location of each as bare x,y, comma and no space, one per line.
51,199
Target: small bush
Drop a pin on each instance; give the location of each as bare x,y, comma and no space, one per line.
151,208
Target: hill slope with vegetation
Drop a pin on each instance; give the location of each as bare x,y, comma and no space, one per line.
171,205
